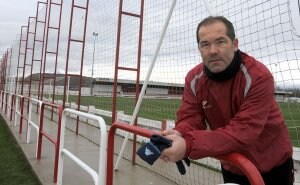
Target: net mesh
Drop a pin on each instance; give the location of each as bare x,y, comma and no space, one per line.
269,30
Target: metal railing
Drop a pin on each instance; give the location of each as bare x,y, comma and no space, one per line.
236,159
99,177
54,140
30,122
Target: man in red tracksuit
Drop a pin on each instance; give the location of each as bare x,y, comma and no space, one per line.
228,105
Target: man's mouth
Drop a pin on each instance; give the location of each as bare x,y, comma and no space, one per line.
214,60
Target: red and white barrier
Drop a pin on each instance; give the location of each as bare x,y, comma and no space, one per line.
99,177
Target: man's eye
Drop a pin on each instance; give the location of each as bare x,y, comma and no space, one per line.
220,42
204,45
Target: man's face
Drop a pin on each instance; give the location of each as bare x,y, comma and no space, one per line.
216,48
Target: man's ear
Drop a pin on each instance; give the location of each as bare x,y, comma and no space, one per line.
236,44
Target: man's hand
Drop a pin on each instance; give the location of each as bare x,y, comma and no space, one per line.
177,151
170,132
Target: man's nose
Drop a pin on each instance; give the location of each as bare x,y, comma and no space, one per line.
213,49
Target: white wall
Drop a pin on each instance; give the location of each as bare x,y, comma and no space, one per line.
156,91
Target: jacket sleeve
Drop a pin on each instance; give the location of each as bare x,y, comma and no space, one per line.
190,115
244,128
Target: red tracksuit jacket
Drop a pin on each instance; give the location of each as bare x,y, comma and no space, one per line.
241,113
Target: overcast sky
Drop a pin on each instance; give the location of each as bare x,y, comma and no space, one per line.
266,29
13,15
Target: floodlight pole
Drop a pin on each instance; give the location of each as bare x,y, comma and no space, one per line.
95,35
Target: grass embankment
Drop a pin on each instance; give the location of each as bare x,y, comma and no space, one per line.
14,167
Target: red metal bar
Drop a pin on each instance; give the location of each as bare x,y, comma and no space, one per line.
40,133
82,59
35,40
117,67
49,137
68,56
4,70
54,28
21,112
236,159
20,53
41,81
137,83
130,14
22,116
59,113
127,68
57,3
114,100
12,107
246,166
56,55
25,57
48,18
1,96
10,64
31,62
79,7
46,52
6,102
2,103
137,69
82,54
55,141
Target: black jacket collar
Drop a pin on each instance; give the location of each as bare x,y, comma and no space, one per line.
229,72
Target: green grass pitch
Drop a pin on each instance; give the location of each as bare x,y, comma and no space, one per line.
160,109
